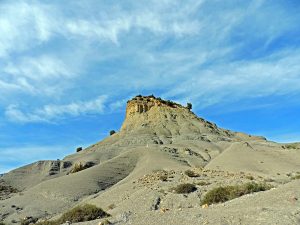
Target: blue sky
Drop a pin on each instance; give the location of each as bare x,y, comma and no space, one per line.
67,68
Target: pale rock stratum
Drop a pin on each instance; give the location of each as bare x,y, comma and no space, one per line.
132,173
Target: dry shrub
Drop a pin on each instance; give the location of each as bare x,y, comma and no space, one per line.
223,194
191,173
184,188
79,214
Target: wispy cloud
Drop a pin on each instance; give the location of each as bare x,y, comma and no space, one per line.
272,76
49,113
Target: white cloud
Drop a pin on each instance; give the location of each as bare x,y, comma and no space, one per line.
275,75
40,76
50,113
39,69
24,25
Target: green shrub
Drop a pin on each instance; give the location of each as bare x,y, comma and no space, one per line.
83,213
184,188
79,149
112,132
79,214
191,173
2,223
189,106
223,194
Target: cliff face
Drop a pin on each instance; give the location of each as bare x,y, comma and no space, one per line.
142,110
144,104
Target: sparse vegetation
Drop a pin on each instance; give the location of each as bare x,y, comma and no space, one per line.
163,177
223,194
4,188
250,177
191,173
2,223
79,149
184,188
203,183
28,220
291,146
79,214
296,177
78,167
112,132
189,106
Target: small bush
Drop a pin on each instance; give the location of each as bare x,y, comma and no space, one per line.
79,149
291,146
2,223
223,194
47,222
296,177
249,177
79,214
28,220
184,188
112,132
189,106
191,173
83,213
163,177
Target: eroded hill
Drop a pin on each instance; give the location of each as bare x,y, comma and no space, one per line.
133,174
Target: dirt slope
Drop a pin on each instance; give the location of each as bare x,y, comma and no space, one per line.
131,173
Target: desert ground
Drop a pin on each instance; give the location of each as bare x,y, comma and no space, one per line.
133,174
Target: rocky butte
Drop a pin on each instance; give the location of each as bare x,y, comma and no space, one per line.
165,166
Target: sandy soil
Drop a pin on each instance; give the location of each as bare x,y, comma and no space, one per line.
124,174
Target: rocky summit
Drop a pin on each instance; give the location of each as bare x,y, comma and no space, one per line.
165,166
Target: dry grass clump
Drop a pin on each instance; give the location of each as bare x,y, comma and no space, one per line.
79,166
291,146
9,189
79,214
223,194
191,173
184,188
